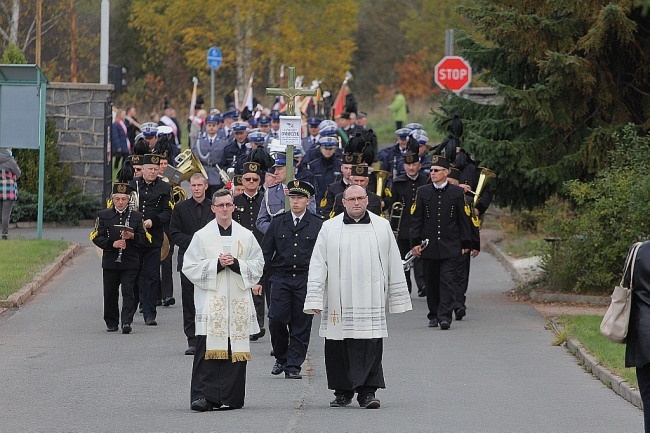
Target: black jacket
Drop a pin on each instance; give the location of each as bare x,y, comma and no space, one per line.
155,204
106,233
185,222
441,217
403,190
246,211
637,352
287,248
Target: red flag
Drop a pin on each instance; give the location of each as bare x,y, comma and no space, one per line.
339,102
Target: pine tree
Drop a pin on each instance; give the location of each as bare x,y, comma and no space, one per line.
571,73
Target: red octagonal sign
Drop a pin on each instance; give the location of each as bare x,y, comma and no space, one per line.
453,73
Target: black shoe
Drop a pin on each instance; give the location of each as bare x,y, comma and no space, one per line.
277,368
257,335
340,401
159,303
421,294
460,313
202,405
290,375
168,301
369,402
151,322
126,328
444,325
272,353
433,323
190,350
111,328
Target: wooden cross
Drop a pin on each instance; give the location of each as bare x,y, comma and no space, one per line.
290,94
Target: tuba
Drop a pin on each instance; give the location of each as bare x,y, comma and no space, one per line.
186,165
484,177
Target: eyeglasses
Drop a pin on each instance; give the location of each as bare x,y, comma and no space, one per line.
223,205
436,170
356,199
250,179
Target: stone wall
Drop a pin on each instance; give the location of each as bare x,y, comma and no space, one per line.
79,110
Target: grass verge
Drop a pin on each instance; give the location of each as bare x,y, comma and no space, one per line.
586,329
22,259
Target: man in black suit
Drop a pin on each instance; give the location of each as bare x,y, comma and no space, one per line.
287,247
188,217
121,256
439,216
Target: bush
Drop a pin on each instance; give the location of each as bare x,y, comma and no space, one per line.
611,213
69,208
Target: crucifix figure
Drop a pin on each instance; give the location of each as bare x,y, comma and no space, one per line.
290,94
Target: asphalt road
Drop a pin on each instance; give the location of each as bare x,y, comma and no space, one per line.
496,371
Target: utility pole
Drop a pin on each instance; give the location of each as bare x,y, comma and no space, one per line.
103,42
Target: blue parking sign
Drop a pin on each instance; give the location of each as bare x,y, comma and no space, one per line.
214,58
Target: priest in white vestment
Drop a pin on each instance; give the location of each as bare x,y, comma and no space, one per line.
355,270
223,262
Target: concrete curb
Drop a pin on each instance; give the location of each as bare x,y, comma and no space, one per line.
616,383
17,299
591,364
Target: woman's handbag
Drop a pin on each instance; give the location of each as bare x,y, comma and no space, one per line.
617,318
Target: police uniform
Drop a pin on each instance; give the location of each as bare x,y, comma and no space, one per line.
439,215
311,141
325,170
287,249
256,140
273,201
121,271
392,158
246,210
403,190
209,150
154,199
233,150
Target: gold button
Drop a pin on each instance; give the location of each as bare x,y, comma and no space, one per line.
295,245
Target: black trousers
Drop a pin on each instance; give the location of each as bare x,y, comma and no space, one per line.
166,284
258,302
113,279
643,376
354,366
462,281
189,310
441,280
149,277
289,327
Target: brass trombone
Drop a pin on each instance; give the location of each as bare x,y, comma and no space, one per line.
395,216
484,177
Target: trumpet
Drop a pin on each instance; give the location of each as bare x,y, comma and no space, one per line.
409,258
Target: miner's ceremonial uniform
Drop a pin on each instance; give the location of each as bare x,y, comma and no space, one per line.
439,215
246,210
155,205
287,248
403,190
119,269
325,169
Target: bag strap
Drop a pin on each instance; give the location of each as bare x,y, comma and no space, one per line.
629,264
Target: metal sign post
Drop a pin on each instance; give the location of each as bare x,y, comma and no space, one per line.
214,57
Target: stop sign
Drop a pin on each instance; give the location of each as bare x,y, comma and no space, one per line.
453,73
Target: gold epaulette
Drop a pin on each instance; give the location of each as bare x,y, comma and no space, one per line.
413,208
332,215
323,202
171,204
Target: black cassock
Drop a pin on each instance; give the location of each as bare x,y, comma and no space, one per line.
354,365
219,381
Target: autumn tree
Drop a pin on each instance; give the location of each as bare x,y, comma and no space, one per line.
571,73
